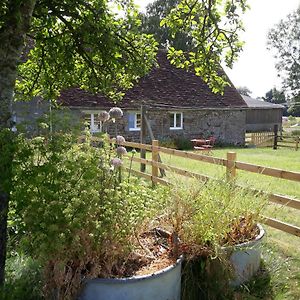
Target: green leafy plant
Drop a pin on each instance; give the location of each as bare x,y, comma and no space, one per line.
23,279
208,216
73,212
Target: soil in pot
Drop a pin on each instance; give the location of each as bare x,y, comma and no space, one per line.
149,273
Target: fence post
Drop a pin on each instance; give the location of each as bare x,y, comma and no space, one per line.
275,137
230,168
143,137
297,143
155,155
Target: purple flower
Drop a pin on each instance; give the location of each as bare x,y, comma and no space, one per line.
116,113
120,139
103,116
121,150
116,162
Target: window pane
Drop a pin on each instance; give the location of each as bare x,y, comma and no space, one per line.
178,120
131,119
172,119
138,120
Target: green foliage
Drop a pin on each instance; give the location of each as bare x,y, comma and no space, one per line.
204,214
295,132
155,12
213,27
294,108
284,39
275,96
180,143
85,44
23,279
72,212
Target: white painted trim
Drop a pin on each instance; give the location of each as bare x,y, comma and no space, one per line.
135,128
174,120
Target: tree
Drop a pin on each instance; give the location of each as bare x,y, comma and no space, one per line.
294,108
275,96
157,11
284,38
243,90
83,43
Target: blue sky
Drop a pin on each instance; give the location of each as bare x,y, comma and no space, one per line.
256,66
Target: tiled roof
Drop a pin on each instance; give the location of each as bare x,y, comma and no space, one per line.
255,103
163,86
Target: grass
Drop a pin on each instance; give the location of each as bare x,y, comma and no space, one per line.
280,276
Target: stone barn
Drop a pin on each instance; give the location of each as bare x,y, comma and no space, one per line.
179,105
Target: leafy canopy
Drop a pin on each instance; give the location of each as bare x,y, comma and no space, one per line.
213,26
92,44
284,39
157,11
98,44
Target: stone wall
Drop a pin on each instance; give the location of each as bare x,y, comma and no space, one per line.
228,126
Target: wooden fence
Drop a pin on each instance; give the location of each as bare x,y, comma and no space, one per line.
269,139
230,163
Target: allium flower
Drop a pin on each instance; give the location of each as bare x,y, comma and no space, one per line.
116,113
103,116
120,139
116,162
121,150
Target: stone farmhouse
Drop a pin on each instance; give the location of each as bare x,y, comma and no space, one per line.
179,104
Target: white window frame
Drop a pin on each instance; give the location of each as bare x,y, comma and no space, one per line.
93,128
173,126
135,128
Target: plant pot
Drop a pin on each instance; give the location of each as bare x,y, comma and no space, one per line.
162,285
245,258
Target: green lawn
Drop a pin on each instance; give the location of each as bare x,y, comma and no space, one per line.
280,277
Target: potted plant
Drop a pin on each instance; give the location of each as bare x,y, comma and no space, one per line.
217,222
82,219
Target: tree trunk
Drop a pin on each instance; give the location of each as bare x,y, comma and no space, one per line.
12,34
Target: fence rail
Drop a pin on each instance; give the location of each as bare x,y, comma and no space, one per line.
231,165
271,139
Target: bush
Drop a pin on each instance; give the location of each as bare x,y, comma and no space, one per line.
76,214
183,143
23,279
295,132
168,143
209,215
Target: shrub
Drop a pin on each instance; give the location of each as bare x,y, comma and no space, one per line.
183,143
168,143
206,214
295,132
23,279
76,215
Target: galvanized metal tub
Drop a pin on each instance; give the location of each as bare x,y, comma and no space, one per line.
245,258
162,285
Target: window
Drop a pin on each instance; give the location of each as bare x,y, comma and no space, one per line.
176,120
134,121
93,122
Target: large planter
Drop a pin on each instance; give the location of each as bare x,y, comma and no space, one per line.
161,285
245,258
